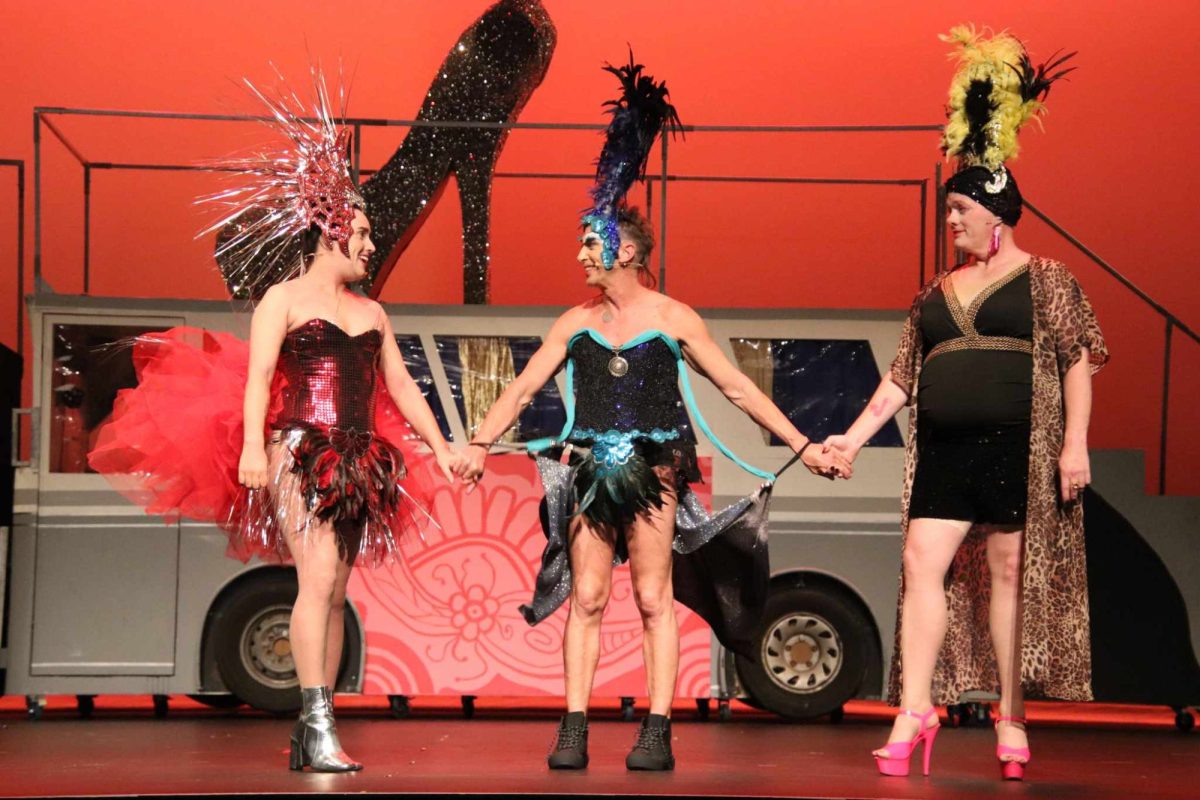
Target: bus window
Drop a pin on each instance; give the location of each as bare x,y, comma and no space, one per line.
91,364
480,367
417,364
822,385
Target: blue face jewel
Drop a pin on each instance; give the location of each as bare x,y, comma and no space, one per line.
604,226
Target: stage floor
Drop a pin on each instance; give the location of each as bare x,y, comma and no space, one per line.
754,755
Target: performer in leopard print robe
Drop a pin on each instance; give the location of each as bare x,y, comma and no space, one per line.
1055,651
995,360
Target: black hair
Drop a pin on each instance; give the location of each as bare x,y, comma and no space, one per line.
309,241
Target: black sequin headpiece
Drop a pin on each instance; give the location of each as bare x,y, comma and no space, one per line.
995,191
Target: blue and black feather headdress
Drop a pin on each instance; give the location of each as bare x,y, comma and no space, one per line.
638,116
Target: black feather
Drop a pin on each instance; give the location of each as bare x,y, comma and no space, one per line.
978,108
1036,81
638,116
616,499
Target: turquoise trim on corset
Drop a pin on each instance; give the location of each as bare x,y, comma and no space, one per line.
688,397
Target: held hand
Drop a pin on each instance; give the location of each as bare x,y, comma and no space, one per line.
826,462
1074,471
447,460
474,458
252,466
842,444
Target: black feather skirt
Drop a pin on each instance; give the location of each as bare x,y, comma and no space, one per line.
617,483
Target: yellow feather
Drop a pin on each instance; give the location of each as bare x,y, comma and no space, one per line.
984,55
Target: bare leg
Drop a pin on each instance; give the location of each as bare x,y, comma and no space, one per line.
650,538
336,628
1004,561
591,572
316,558
928,552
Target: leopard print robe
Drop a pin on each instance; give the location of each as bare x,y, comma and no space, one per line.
1055,641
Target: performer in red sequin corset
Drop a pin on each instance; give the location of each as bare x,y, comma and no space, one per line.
295,446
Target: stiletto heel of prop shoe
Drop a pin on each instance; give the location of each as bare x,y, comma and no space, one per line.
488,76
894,759
1019,757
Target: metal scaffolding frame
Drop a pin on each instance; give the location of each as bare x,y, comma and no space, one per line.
42,115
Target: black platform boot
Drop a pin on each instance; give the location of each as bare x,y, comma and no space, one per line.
652,750
570,746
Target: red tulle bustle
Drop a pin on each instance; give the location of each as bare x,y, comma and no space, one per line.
173,443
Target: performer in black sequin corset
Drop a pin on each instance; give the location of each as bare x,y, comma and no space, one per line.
617,486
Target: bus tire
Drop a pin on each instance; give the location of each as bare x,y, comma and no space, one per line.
217,700
811,655
249,637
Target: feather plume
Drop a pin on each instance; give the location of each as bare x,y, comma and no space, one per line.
638,116
994,92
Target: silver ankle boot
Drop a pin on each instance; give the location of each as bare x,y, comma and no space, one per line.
314,736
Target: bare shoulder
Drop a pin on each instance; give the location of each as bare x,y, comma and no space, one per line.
571,320
276,300
367,305
680,319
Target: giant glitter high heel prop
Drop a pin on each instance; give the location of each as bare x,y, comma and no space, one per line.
488,76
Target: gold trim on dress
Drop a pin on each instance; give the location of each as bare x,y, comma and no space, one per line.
977,342
965,319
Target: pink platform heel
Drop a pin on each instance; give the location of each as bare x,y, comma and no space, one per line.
1012,770
893,759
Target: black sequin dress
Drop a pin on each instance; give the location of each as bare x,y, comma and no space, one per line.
626,415
974,398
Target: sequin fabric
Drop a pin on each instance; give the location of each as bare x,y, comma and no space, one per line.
646,398
644,404
330,376
721,567
326,467
488,76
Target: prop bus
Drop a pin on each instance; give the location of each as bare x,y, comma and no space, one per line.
105,599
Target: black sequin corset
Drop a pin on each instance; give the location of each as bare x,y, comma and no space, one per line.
330,377
644,400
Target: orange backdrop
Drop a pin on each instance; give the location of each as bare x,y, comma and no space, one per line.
1114,165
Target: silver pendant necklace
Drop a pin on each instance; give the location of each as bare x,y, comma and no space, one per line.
617,365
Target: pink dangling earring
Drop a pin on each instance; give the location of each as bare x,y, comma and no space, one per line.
994,246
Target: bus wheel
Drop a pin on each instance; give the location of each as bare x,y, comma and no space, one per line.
217,700
811,654
250,639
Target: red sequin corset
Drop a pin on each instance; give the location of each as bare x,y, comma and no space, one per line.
330,377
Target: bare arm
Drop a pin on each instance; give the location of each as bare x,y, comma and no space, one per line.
1074,469
268,327
520,393
405,392
703,355
888,399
